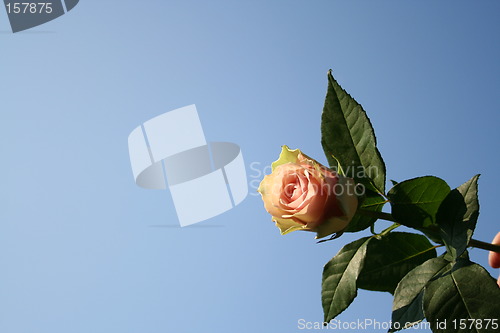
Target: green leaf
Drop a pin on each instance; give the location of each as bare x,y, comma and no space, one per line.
390,258
457,217
465,293
416,201
372,201
348,138
338,288
407,307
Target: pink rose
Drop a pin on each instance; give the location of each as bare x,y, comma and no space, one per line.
302,194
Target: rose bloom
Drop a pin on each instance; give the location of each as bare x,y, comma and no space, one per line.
302,194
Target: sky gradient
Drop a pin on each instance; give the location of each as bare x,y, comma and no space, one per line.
83,249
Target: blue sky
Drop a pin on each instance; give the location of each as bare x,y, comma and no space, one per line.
83,249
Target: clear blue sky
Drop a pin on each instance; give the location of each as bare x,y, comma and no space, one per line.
83,249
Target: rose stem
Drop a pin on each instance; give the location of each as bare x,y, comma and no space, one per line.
378,215
485,246
388,217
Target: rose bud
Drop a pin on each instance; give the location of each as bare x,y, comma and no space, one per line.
302,194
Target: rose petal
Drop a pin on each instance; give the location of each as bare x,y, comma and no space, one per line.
314,210
286,156
331,225
269,189
299,202
287,225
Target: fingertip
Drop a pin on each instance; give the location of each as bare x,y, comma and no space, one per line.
494,257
